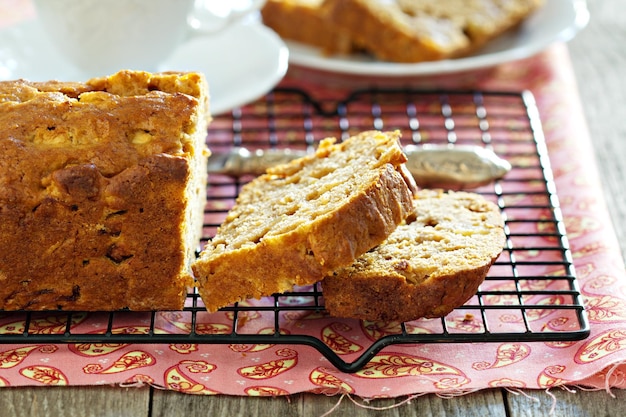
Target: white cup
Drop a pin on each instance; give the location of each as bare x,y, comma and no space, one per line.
103,36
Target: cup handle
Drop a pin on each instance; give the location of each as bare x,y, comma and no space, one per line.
210,16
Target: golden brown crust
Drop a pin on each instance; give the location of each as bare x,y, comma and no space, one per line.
302,220
96,192
427,267
304,21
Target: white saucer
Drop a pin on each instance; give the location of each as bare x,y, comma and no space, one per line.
556,20
241,63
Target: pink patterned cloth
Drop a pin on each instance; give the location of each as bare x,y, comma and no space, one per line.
401,369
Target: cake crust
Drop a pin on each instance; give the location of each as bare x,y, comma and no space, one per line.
99,182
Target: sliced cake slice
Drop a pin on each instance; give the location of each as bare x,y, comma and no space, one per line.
425,30
428,266
304,21
301,220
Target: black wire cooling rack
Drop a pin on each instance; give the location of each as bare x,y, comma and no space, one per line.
530,294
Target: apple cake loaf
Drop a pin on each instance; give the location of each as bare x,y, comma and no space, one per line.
102,190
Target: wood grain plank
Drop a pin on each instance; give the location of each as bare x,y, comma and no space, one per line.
599,59
483,403
561,403
91,401
170,403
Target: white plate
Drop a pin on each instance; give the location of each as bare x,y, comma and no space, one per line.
557,20
241,63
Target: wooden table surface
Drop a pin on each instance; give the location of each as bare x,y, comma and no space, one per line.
599,58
